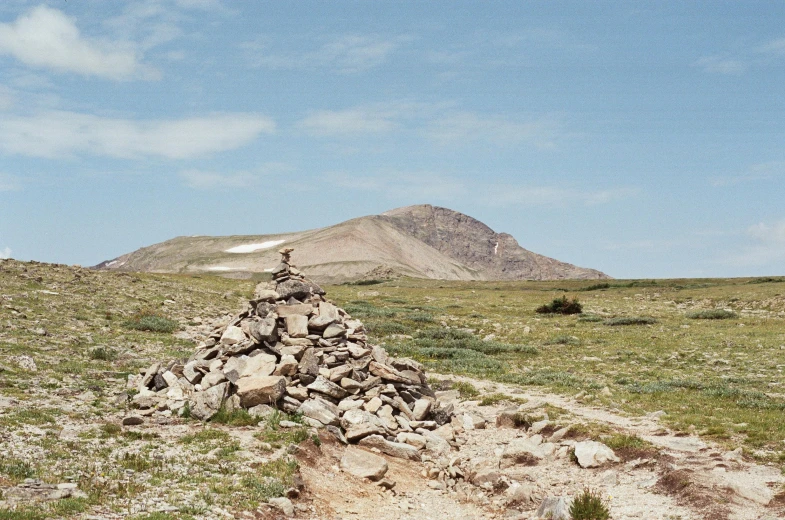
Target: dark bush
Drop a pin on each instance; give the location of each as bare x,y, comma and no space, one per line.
711,314
561,306
635,320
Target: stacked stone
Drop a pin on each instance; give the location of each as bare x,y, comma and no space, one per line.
293,350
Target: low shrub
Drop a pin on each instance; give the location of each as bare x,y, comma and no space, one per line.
151,321
711,314
561,306
589,318
103,354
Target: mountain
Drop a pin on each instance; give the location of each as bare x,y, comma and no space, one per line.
420,241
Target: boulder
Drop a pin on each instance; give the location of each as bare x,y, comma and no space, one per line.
232,335
393,449
320,410
363,464
207,403
591,454
254,390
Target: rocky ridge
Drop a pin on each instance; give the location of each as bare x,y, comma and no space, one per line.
293,350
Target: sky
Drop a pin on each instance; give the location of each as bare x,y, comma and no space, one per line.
644,139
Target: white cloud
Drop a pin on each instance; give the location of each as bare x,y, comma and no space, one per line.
776,46
767,247
351,121
428,185
424,185
202,180
438,122
8,183
460,127
768,233
346,53
371,118
45,37
757,172
57,134
210,180
515,195
5,253
719,65
7,98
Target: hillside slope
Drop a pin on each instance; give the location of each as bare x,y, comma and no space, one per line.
420,241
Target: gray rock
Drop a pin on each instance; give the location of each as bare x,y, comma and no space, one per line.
254,390
555,508
264,330
266,295
213,378
287,366
413,439
300,309
328,310
321,410
320,322
207,403
333,331
327,387
363,464
421,409
232,335
297,326
393,449
297,289
259,365
283,504
359,431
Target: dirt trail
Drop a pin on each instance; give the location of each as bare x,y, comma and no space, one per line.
689,479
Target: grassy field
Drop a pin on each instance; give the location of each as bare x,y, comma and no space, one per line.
708,352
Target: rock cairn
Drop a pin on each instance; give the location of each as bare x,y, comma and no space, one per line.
293,350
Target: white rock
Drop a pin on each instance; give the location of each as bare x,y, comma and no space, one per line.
232,335
591,454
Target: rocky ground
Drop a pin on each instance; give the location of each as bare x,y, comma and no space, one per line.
74,444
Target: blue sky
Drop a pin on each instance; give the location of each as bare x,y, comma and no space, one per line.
644,139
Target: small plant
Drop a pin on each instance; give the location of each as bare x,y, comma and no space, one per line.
110,429
465,389
589,505
152,321
589,318
103,354
711,314
561,306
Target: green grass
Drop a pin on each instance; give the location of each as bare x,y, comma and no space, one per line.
151,321
712,314
709,376
239,417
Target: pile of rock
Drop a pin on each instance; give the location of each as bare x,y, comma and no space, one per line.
293,350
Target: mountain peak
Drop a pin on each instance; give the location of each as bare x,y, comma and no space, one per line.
423,241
